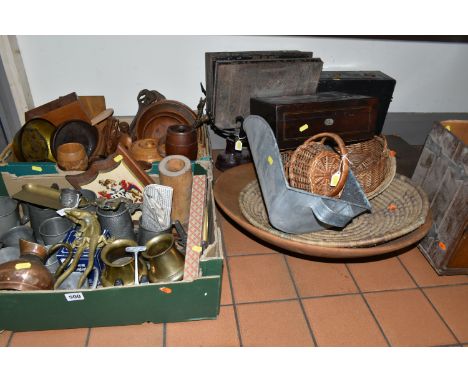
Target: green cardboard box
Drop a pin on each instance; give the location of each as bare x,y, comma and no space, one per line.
123,305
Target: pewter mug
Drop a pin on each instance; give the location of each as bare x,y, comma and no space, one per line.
118,222
91,197
13,235
166,263
8,254
72,281
145,235
37,215
54,230
9,215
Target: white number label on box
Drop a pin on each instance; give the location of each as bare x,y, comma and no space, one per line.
74,296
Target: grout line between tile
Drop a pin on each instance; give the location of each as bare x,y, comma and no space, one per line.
309,326
164,334
254,254
10,339
234,307
87,337
368,306
334,295
267,301
443,286
430,302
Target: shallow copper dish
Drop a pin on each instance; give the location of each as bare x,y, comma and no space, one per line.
154,121
76,131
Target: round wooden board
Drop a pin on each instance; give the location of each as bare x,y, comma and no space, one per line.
226,192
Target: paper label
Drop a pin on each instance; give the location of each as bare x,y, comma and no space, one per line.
36,168
62,211
238,145
118,158
197,248
303,127
270,160
448,127
22,266
335,178
74,296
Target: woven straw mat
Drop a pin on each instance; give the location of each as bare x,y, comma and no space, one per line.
397,211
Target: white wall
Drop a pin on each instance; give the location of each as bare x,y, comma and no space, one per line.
431,77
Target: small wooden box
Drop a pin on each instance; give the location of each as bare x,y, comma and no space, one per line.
352,117
442,172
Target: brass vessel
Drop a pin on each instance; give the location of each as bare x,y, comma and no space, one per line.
27,273
35,140
120,265
165,261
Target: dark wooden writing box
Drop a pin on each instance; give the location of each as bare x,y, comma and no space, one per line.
442,171
353,117
369,83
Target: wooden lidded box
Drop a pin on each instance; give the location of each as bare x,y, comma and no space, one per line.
442,171
296,118
369,83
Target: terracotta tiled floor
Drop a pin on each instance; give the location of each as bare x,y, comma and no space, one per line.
272,299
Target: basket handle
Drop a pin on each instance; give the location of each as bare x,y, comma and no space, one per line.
344,162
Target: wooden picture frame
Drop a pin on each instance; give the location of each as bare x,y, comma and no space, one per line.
116,176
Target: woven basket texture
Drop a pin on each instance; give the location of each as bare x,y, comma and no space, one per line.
397,211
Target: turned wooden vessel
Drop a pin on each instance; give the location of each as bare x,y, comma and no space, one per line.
72,156
182,140
145,150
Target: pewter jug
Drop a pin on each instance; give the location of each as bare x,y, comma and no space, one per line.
118,222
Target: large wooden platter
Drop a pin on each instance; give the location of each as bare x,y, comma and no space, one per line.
227,190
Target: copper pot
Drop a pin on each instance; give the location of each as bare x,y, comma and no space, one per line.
72,157
182,140
145,150
28,273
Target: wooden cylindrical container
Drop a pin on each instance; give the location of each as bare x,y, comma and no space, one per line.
182,140
145,150
176,171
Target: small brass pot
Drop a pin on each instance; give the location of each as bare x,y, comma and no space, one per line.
165,261
120,265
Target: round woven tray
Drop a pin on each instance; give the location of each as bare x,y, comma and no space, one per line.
399,210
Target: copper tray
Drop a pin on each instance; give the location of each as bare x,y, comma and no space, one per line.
155,120
226,192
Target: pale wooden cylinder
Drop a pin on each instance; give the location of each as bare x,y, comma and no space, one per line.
176,171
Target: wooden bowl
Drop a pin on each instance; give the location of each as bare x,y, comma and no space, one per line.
72,157
154,121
